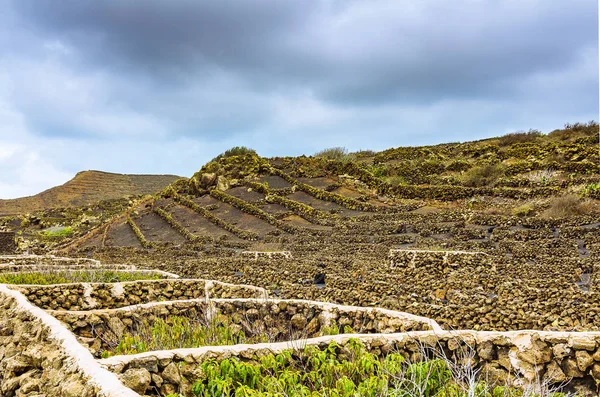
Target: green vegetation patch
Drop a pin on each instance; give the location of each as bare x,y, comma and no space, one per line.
341,372
58,233
79,276
178,332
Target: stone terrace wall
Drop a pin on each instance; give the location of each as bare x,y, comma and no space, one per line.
87,296
49,260
13,267
7,243
268,254
38,357
277,319
533,355
422,258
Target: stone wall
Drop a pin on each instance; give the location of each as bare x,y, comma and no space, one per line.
400,258
38,357
49,260
276,320
86,296
268,254
531,355
7,243
13,267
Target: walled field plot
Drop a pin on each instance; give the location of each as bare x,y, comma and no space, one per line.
147,332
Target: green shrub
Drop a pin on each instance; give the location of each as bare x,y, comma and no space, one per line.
58,234
363,153
458,166
592,190
334,153
486,175
396,180
520,137
379,170
524,210
235,151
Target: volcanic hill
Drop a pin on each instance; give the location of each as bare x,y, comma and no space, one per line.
85,188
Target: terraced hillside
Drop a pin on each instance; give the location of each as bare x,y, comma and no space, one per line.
85,188
342,230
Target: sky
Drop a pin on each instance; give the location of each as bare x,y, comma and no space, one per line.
163,86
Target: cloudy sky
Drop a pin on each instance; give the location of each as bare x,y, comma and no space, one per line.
162,86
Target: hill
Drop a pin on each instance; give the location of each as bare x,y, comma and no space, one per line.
345,225
85,188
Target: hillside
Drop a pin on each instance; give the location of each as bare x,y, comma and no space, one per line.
85,188
347,225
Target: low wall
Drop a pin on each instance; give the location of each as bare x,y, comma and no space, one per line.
88,296
400,258
38,356
277,320
268,254
533,355
13,267
48,260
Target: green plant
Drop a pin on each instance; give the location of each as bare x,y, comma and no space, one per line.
592,190
486,175
176,332
58,233
396,180
363,153
520,137
235,151
334,153
379,171
336,371
524,210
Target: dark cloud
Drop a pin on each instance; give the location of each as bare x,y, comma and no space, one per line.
163,86
361,52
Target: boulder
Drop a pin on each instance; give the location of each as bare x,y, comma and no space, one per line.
171,374
222,183
137,379
207,179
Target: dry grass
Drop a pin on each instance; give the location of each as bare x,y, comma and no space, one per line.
570,205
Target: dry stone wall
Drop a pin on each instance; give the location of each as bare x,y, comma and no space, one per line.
50,260
38,357
87,296
277,319
400,258
268,254
486,292
523,356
